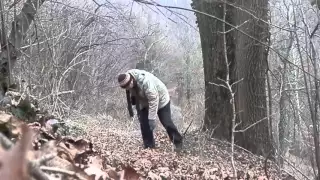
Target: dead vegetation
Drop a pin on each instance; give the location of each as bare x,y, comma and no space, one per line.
38,150
110,150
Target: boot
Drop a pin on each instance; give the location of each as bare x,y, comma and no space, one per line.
178,147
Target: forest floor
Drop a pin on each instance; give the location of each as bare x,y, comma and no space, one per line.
202,158
101,146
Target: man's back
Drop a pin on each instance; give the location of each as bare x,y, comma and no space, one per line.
146,82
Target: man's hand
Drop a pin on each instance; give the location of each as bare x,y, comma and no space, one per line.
152,124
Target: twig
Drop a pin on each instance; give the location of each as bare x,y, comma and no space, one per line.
228,86
236,82
266,163
238,26
185,132
93,14
314,30
152,44
56,94
221,85
243,130
62,171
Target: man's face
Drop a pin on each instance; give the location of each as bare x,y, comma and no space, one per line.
129,86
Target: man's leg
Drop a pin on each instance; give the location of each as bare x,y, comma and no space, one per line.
147,134
166,120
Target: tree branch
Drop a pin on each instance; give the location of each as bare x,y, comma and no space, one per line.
231,25
243,130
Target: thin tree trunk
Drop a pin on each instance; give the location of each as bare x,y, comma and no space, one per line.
10,50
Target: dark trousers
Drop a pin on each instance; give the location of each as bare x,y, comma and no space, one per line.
164,115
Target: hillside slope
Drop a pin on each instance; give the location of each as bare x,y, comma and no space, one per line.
120,143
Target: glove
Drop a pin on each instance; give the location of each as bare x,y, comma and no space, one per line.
152,124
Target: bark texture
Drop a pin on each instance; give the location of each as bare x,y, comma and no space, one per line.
248,60
217,100
252,66
10,46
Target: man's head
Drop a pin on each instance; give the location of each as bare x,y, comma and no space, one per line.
125,81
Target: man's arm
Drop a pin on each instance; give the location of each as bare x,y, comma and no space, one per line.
133,100
129,103
153,100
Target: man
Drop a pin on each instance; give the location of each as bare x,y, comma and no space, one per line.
151,97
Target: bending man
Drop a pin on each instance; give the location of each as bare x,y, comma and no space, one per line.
152,100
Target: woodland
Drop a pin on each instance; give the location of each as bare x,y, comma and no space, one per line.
243,77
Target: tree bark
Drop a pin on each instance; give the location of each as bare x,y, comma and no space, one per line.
252,66
217,99
10,46
248,61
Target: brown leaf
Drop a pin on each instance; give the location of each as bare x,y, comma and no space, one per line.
13,163
95,161
4,117
11,124
95,172
79,144
114,174
67,153
130,173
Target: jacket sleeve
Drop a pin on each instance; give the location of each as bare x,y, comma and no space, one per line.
133,100
153,99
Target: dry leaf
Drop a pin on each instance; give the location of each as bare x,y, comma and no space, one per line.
114,174
13,163
4,117
130,173
95,172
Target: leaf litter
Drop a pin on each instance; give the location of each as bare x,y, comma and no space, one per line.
35,150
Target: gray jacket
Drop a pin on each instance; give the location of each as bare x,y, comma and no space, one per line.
152,92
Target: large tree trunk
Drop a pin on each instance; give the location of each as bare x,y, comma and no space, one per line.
10,46
217,99
252,66
248,60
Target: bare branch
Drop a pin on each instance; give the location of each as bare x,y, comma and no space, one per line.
221,85
252,125
152,44
93,14
231,25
